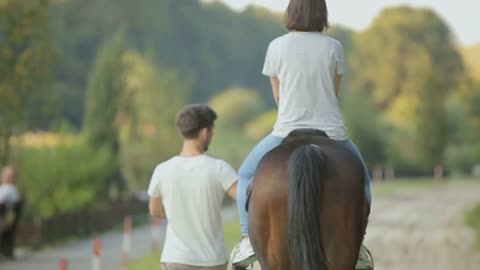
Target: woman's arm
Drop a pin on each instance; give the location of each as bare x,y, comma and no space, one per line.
338,81
276,89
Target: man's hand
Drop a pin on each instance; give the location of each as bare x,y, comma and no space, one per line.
156,208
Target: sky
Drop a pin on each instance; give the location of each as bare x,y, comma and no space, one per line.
463,16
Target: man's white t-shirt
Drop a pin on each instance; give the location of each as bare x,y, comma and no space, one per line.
192,191
306,64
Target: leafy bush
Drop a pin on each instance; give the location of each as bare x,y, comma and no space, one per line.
261,126
460,159
236,106
63,179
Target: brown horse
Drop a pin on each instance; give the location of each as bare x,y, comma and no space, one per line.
307,208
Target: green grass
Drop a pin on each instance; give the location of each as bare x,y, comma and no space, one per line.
152,261
472,219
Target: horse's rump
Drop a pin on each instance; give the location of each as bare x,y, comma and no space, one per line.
342,206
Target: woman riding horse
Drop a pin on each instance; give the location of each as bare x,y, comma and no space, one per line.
305,68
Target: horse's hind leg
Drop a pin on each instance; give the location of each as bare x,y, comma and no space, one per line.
271,245
269,242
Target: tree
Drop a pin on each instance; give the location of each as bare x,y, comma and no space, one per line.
26,59
81,27
150,99
261,126
468,94
236,106
102,102
366,128
407,64
104,89
431,129
345,36
206,41
471,56
130,109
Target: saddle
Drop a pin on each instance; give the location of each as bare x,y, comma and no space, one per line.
304,132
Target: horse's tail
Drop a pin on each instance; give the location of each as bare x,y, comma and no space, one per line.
307,167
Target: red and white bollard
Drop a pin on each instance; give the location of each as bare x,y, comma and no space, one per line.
97,250
127,241
155,234
63,264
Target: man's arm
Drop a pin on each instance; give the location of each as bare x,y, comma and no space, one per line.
232,191
156,208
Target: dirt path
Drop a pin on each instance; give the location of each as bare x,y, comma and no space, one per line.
424,230
79,254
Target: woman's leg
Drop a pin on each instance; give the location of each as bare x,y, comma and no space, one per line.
246,173
353,148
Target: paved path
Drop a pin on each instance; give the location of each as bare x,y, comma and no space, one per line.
79,254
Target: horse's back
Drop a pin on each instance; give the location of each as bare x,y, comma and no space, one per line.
342,205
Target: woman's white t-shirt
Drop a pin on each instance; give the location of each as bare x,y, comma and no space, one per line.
306,64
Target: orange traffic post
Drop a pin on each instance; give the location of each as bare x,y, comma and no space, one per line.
96,250
63,264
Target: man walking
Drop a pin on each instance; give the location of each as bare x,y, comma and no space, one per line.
188,191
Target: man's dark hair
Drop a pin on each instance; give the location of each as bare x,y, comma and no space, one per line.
193,118
307,16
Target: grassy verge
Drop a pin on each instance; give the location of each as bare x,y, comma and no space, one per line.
472,219
152,261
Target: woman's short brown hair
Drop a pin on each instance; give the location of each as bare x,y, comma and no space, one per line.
307,16
193,118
